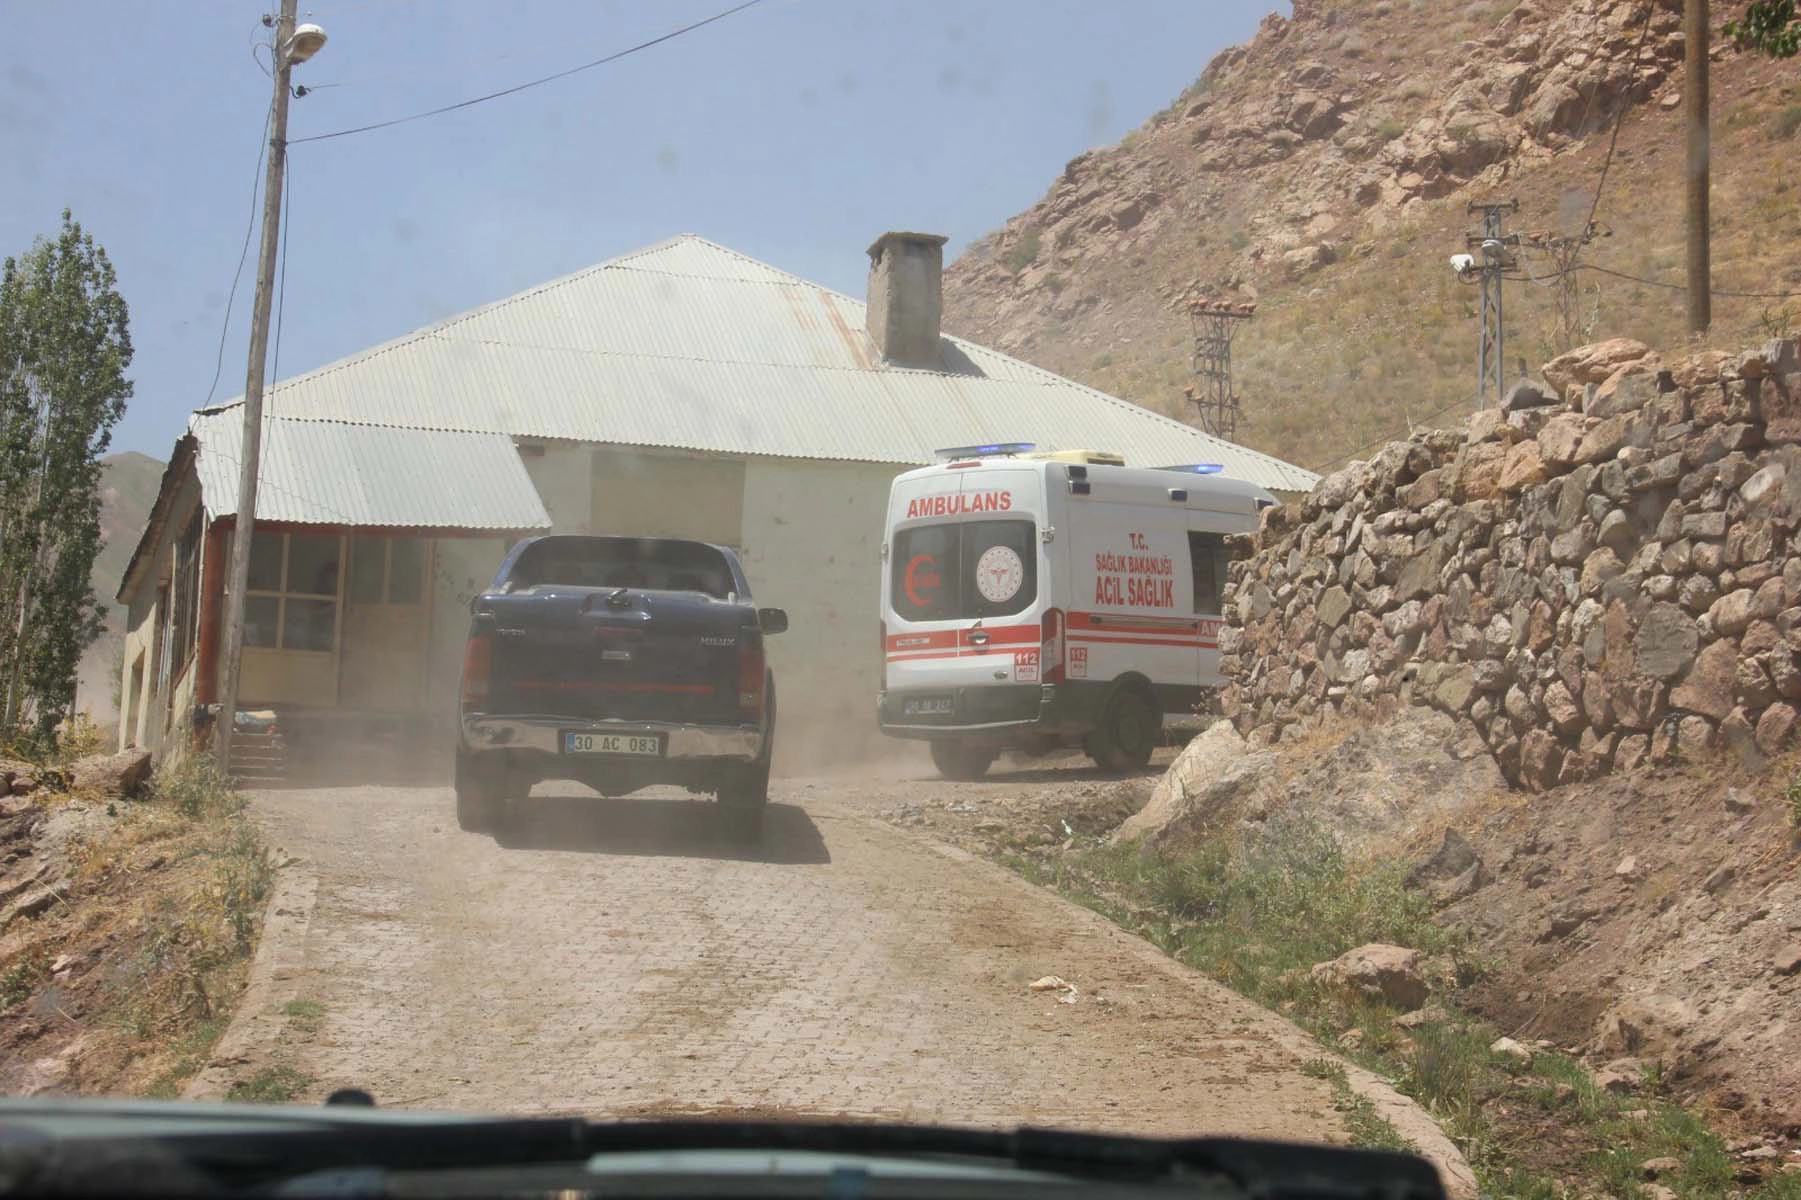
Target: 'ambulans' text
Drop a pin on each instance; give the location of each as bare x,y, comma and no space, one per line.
959,503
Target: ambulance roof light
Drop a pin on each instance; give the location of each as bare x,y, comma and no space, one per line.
1197,468
989,450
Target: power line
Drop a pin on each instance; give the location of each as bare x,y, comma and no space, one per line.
1680,287
1389,437
256,187
1619,117
614,57
1553,277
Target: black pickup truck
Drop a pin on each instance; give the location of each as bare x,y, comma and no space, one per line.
619,663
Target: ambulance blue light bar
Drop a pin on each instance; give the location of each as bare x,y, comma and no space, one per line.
988,451
1197,468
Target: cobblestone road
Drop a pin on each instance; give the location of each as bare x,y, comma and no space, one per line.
618,957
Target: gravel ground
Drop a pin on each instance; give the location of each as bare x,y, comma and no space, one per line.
622,958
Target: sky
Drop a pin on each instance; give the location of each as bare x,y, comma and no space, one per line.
795,132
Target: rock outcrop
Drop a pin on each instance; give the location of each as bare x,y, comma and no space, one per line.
1365,785
111,776
1379,971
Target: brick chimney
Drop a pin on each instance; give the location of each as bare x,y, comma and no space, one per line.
906,298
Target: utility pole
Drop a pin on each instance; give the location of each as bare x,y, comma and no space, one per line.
1497,257
1695,85
250,451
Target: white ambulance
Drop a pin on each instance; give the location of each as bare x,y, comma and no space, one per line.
1031,601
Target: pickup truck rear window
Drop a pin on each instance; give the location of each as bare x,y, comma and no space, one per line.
963,570
644,564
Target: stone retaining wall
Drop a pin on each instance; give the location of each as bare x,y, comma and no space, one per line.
1604,569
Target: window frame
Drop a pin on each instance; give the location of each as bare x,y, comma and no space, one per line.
284,593
385,593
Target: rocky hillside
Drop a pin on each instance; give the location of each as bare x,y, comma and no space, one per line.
128,484
1323,171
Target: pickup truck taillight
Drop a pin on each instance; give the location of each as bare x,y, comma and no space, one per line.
1050,646
750,679
478,658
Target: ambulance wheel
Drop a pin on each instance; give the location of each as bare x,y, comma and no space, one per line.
1127,732
962,762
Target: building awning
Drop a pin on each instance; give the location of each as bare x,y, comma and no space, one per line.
336,473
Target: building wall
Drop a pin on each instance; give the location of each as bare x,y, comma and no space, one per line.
144,719
665,494
812,545
563,474
809,534
137,679
461,568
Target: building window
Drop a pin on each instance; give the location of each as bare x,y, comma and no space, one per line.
292,601
387,570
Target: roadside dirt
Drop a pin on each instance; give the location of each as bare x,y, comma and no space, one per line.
1654,916
125,937
619,958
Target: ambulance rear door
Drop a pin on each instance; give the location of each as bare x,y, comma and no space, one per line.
964,592
1131,601
1207,532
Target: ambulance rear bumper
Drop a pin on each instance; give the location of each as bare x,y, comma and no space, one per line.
999,713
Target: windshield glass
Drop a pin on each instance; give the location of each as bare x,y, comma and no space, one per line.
627,558
964,570
648,564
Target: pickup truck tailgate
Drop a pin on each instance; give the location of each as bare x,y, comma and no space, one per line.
628,655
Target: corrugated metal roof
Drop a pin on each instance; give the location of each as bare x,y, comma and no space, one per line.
334,473
690,345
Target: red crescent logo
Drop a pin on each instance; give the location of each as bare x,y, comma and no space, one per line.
910,584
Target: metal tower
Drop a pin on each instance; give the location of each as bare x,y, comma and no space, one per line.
1214,322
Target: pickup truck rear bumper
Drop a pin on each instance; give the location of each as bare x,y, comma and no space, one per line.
544,735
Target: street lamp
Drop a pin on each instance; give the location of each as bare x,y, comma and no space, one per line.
305,43
292,45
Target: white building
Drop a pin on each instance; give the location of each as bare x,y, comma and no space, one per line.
682,390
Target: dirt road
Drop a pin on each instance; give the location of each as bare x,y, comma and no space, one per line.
620,958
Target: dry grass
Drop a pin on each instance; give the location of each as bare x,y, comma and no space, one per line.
163,904
1258,914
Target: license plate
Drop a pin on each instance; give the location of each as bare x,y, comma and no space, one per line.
928,706
641,745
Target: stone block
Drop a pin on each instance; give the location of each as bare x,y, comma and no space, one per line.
1707,687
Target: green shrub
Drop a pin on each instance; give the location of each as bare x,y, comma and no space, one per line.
1786,122
272,1085
196,787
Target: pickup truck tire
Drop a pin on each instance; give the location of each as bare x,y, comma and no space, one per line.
744,787
1127,733
961,761
481,800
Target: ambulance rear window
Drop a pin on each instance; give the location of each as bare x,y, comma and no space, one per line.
964,570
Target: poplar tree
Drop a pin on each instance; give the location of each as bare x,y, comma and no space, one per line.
64,349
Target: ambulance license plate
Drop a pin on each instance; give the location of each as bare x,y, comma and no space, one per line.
638,745
928,706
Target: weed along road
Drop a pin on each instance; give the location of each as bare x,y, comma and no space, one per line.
622,958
